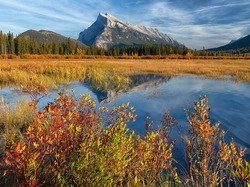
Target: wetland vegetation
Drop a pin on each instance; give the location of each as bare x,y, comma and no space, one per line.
56,72
70,142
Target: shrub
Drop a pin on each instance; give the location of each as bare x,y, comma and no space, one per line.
152,164
210,159
71,143
242,171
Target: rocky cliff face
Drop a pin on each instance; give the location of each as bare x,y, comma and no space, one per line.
107,31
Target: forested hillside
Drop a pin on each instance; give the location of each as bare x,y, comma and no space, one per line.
29,45
24,45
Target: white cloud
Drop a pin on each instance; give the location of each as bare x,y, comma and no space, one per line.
183,25
37,9
168,12
222,6
208,36
58,15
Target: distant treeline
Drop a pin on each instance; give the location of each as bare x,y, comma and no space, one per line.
21,46
238,51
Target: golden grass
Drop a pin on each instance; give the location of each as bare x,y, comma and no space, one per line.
237,69
208,68
56,72
15,117
19,72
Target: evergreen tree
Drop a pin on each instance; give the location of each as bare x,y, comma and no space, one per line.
34,47
10,43
3,47
69,46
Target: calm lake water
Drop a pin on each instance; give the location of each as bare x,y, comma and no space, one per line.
152,95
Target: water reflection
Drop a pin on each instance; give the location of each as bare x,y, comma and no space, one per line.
151,95
229,102
137,83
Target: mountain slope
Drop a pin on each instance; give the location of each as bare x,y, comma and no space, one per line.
107,31
238,44
43,36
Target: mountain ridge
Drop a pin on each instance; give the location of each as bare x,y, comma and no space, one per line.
108,31
243,42
43,36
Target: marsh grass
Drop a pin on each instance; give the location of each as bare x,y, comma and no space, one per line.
52,73
55,72
15,117
103,79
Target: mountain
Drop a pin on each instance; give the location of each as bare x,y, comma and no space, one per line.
107,31
43,36
232,41
243,42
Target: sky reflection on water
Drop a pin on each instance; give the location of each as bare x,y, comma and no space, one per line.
229,102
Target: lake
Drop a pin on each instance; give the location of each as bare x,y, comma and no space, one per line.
152,95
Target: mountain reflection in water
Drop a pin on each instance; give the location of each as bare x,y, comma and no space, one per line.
151,95
138,83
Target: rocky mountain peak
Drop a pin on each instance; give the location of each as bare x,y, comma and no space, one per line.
107,16
108,31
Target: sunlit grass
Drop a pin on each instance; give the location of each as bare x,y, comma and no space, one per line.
56,72
16,73
15,117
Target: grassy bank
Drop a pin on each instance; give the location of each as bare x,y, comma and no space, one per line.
56,72
15,117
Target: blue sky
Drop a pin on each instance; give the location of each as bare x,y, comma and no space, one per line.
196,23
